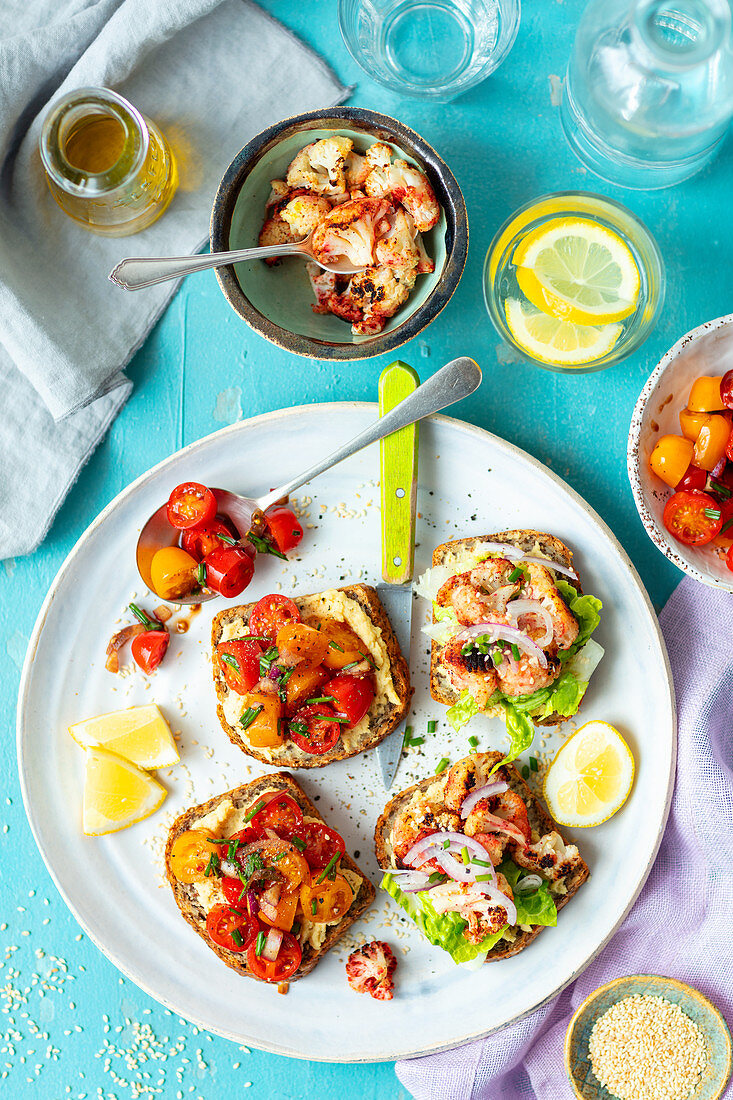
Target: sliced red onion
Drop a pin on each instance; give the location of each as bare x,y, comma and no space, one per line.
272,944
412,882
253,904
486,791
438,839
501,632
275,673
230,868
556,568
459,872
517,608
504,548
527,884
717,470
495,895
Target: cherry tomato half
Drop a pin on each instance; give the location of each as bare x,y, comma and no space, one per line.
284,527
694,477
200,541
353,695
284,966
281,813
692,517
728,562
322,843
234,891
315,729
272,612
304,682
189,505
173,572
231,928
148,649
229,569
239,661
726,389
300,643
332,898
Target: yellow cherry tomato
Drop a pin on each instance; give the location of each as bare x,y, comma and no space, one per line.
300,643
264,731
670,458
711,443
348,646
284,913
190,855
303,684
691,423
172,572
705,395
288,861
325,901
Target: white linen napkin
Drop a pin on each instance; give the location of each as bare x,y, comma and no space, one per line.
211,73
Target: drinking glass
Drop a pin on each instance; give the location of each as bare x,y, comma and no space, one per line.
433,49
649,88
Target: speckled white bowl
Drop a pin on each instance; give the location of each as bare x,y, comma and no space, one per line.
708,349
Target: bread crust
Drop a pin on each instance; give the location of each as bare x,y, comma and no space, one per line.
194,914
440,687
381,724
539,819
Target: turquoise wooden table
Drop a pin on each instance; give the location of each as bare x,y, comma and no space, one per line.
71,1025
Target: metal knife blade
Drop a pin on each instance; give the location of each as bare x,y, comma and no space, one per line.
399,496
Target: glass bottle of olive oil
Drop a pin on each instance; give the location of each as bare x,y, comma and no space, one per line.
107,166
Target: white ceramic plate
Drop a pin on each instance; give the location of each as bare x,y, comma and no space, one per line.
470,483
708,349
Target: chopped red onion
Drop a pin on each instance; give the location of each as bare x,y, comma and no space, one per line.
499,631
517,608
438,839
486,791
267,909
412,882
230,868
272,944
553,565
495,895
504,548
527,884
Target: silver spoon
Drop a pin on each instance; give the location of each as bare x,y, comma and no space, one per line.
451,383
141,271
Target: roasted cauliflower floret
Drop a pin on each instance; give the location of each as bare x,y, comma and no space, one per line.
397,248
321,166
372,297
403,183
550,857
350,230
304,212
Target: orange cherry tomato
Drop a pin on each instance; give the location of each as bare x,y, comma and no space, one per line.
705,395
691,423
190,505
692,517
261,719
325,901
300,643
711,443
173,572
285,911
305,682
345,645
284,966
670,458
190,855
231,928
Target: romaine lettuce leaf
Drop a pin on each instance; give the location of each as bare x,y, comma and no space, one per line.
537,907
521,733
586,609
461,713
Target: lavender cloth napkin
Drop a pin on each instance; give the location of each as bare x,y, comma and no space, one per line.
680,925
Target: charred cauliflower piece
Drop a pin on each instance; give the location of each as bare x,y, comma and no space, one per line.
350,230
404,184
321,166
304,212
372,297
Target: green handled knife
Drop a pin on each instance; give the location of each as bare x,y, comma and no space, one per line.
398,453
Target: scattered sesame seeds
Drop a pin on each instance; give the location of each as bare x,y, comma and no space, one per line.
646,1048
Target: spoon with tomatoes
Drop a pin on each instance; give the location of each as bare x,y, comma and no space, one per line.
202,542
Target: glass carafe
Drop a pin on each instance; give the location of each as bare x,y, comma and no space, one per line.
649,88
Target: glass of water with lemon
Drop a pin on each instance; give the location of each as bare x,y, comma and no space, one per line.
574,281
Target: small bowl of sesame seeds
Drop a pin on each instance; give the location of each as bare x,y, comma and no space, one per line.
647,1037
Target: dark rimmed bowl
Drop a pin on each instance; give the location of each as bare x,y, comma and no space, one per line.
276,301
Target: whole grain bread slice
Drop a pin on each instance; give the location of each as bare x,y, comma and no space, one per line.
549,547
383,716
539,820
193,912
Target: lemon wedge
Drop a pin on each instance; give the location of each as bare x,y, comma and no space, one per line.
116,793
578,270
562,343
141,734
590,777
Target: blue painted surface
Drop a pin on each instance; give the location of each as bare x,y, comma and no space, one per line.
197,370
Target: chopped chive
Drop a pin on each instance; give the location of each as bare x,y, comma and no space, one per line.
260,943
331,718
278,857
237,911
299,844
352,664
432,726
473,741
480,862
515,574
533,763
213,865
237,936
249,715
314,907
437,876
232,849
331,864
264,546
151,624
229,659
321,699
712,513
515,651
296,928
416,741
335,645
300,728
465,855
442,765
257,638
227,539
286,676
216,839
200,573
254,810
496,657
484,878
716,487
446,844
728,523
525,771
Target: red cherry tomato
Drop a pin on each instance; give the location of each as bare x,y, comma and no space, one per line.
200,541
233,930
284,966
190,504
239,661
228,570
726,389
729,448
284,527
234,891
281,813
728,562
692,517
148,649
353,695
315,729
322,843
693,478
271,613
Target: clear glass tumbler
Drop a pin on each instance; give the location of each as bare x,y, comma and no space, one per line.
108,167
434,49
649,88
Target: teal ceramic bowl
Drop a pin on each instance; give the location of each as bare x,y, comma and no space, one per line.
707,1017
276,301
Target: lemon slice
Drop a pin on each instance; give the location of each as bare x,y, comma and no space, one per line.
116,793
590,777
578,270
550,340
139,733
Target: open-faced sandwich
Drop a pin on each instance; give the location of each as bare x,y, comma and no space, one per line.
263,880
511,631
473,858
307,681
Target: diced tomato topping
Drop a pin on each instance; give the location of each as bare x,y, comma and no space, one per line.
281,813
284,527
229,569
322,843
239,661
201,541
148,649
231,928
189,505
369,969
315,729
271,613
352,695
693,478
692,517
284,966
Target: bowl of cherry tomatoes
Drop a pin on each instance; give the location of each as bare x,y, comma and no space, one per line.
192,550
680,454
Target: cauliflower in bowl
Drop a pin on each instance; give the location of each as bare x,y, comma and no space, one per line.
371,209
